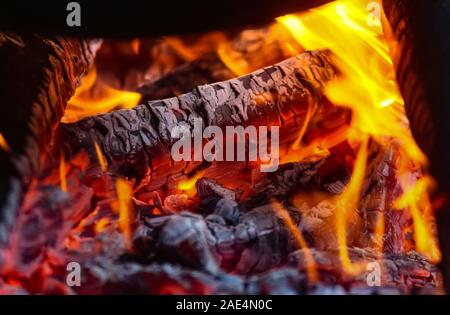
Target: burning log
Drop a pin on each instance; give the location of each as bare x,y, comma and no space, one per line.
423,74
130,140
39,76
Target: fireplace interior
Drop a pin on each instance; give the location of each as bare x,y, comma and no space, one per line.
90,179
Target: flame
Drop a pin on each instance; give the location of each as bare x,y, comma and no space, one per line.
367,86
94,96
101,225
100,157
284,215
346,206
126,211
3,144
62,172
188,185
417,200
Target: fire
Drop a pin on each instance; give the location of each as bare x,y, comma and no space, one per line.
100,157
126,211
188,185
416,199
101,225
367,86
94,97
347,204
3,144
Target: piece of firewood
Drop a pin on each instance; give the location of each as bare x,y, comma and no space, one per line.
131,140
248,51
39,75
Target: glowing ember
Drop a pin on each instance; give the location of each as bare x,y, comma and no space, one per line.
299,239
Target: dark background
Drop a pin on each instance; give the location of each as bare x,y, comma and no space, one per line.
133,18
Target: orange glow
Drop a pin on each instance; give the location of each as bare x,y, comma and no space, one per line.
416,199
135,45
126,211
283,214
94,97
3,144
188,185
101,224
62,172
100,157
367,86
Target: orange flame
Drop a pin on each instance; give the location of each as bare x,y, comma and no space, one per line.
415,198
101,224
94,97
188,185
347,203
100,157
283,214
367,86
3,144
126,211
62,172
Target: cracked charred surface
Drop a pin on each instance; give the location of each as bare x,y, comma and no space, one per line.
133,140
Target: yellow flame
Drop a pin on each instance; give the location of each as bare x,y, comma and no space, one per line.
62,172
101,224
367,86
347,203
416,199
100,157
3,144
283,214
135,46
309,112
126,211
94,97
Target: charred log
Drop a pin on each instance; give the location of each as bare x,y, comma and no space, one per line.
39,76
131,139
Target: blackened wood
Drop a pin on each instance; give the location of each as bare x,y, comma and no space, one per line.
422,59
130,139
39,75
204,70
